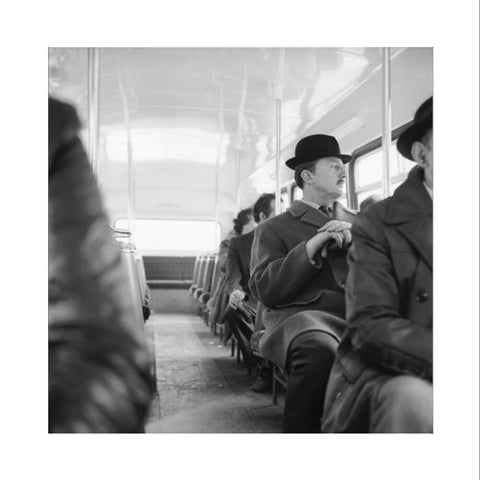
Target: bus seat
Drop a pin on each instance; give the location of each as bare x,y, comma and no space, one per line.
279,376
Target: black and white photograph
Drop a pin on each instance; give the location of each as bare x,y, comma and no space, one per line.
240,251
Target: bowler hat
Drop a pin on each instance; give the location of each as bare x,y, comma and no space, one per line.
315,147
422,122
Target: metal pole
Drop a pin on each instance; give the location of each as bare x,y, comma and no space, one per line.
93,72
278,148
130,172
217,165
237,184
387,123
278,95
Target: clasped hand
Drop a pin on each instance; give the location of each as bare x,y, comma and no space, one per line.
335,233
236,298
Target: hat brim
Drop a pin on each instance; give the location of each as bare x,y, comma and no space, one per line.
294,162
413,133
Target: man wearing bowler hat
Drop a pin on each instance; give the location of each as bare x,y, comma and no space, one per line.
381,381
298,270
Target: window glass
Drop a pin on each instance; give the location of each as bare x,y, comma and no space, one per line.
368,169
362,196
175,236
368,172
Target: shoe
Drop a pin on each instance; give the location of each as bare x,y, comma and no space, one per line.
262,384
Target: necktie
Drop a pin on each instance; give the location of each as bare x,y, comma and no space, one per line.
328,211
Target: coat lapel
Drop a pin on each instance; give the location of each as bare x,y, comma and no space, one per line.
307,214
419,232
411,211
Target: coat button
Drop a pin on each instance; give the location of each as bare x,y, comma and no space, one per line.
422,297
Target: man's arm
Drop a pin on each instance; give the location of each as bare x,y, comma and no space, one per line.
234,276
234,273
276,273
375,326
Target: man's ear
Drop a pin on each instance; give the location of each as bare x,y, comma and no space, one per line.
306,176
418,153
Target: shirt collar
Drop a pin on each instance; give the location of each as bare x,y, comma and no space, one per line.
316,206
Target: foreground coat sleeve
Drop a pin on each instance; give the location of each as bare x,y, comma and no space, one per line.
277,275
234,273
98,362
375,326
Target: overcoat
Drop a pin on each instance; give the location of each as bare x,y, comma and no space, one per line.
238,263
290,287
389,304
98,360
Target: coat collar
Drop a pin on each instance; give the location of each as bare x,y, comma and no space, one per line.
307,214
410,201
411,210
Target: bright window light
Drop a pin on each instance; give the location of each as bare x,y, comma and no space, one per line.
173,236
368,168
157,144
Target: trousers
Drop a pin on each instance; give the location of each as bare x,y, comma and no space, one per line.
309,361
403,404
241,326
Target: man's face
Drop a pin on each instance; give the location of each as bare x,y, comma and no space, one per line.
422,153
329,177
248,227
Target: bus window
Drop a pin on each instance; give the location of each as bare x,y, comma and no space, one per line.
173,236
368,172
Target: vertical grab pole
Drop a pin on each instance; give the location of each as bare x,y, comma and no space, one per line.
130,172
217,165
278,150
387,123
278,95
237,181
93,70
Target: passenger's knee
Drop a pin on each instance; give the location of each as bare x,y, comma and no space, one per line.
405,403
406,390
313,351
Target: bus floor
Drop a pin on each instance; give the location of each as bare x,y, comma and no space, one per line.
201,388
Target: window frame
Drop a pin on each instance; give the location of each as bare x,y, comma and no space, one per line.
365,150
162,252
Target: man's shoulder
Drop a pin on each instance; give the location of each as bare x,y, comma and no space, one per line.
242,240
278,221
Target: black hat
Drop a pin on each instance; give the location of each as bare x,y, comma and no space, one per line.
315,147
422,122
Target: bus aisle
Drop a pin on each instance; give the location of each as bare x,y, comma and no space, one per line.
201,388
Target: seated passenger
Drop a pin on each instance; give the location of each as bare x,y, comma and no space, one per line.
291,275
243,307
98,366
218,303
382,377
